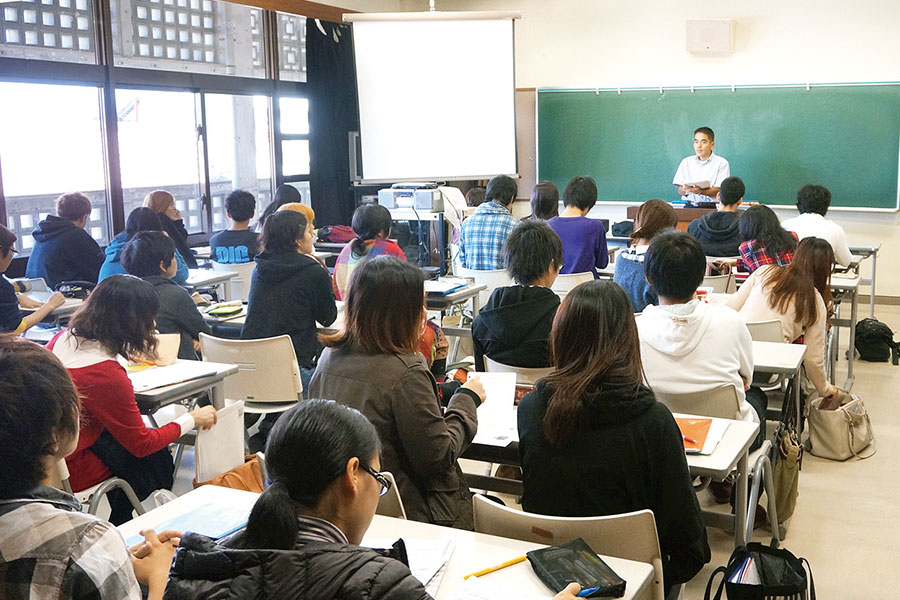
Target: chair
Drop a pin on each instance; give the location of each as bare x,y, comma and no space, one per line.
568,282
524,375
220,448
768,331
722,402
631,536
268,377
59,478
237,287
492,279
391,505
720,284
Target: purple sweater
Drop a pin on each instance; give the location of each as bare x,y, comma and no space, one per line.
583,242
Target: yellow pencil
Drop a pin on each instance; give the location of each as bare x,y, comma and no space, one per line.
495,568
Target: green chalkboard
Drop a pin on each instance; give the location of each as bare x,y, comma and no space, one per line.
775,138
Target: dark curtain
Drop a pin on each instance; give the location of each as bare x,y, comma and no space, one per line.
333,114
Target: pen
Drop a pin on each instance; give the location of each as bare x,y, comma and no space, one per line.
689,440
586,592
495,568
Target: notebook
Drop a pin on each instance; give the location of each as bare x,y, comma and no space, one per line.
701,435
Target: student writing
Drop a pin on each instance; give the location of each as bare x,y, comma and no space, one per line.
11,317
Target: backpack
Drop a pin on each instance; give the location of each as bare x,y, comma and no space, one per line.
336,234
875,342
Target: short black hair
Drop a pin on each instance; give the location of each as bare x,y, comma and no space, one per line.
282,230
580,192
501,188
675,265
529,251
732,190
813,199
707,132
145,252
241,205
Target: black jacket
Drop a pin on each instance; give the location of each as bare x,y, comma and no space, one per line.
63,252
179,234
718,233
319,570
513,328
289,293
178,314
626,454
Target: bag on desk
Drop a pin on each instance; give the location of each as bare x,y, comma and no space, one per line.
842,432
776,574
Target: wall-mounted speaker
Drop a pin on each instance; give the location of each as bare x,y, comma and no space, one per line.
709,36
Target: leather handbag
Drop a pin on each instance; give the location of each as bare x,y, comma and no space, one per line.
842,432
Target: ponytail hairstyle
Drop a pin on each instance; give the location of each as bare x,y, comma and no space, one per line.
369,221
594,345
308,449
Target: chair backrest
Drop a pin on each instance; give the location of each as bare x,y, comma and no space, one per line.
766,331
719,283
240,284
722,402
267,368
390,505
221,447
59,476
524,375
492,279
569,281
631,536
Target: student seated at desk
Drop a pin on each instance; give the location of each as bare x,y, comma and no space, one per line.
11,317
813,202
691,346
583,239
151,256
49,548
798,295
140,219
513,328
163,204
594,441
284,194
653,217
544,201
766,242
302,538
290,290
373,365
475,197
237,244
718,231
63,250
481,236
372,225
117,319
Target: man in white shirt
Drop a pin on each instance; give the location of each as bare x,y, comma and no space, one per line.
813,202
704,165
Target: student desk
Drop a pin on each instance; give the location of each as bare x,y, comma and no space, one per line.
208,376
60,312
780,359
472,551
203,278
864,251
844,286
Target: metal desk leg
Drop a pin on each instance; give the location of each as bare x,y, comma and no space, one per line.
740,500
217,394
797,383
851,353
872,287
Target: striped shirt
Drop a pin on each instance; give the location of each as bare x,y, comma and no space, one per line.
312,529
49,549
482,235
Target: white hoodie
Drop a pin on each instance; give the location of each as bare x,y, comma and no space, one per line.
696,347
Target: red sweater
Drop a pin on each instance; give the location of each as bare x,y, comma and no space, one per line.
107,402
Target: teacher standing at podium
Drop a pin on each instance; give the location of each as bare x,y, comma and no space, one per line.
699,176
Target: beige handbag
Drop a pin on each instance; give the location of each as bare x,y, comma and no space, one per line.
842,432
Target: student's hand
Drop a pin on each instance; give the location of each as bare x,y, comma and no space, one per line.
568,593
145,548
196,344
29,303
474,384
151,561
173,213
56,300
204,417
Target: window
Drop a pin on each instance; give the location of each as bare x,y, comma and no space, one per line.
200,36
291,47
239,150
51,145
61,30
159,150
294,128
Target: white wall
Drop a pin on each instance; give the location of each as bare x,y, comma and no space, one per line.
631,43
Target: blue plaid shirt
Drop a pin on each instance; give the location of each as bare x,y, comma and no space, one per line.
482,235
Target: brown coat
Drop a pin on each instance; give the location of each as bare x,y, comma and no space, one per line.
420,442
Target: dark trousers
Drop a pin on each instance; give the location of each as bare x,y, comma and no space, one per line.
760,402
146,475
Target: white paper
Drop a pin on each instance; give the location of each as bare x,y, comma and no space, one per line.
476,588
497,414
427,558
156,377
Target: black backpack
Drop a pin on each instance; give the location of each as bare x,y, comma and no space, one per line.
875,342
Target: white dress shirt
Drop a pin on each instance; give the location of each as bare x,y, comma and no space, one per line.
691,170
815,225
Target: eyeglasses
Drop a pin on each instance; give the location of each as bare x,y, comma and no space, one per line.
384,481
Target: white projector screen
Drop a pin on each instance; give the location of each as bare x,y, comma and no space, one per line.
436,99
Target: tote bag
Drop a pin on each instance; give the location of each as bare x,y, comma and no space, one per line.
842,432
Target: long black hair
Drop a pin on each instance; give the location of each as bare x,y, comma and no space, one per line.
284,194
761,223
141,219
308,448
369,221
